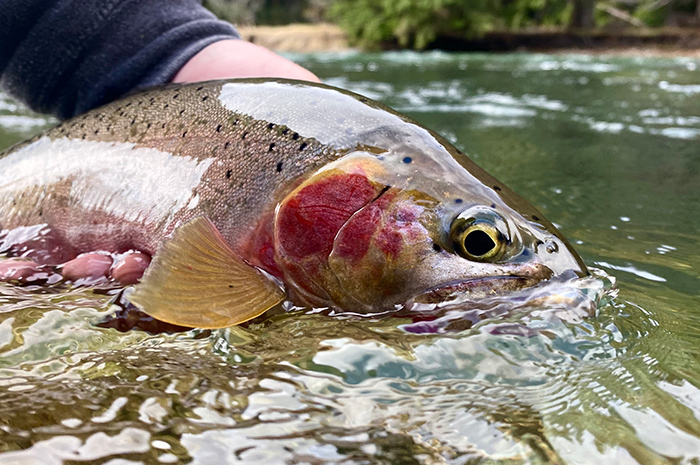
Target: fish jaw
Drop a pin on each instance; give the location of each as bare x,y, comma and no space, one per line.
481,287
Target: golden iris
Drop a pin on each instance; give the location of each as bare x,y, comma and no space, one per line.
477,238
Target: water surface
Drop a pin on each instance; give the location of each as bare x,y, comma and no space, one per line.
607,148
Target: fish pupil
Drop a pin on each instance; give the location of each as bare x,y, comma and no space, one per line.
478,243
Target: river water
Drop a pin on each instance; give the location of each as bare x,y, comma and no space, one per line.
607,148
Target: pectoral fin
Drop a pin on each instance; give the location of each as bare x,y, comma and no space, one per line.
196,280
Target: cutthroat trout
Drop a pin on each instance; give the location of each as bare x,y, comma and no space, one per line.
249,192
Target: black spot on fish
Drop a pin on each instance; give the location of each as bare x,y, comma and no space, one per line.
148,126
184,134
279,167
230,286
181,112
204,98
436,247
163,126
166,106
243,136
493,205
235,123
270,126
176,96
227,144
200,88
459,200
82,125
382,192
285,131
127,105
272,146
295,136
228,174
496,188
534,217
133,120
218,128
302,146
407,159
97,131
109,126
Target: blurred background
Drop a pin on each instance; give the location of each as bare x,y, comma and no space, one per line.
472,25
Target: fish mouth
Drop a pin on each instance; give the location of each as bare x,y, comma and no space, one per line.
475,288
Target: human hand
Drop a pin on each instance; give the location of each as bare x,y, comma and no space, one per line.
239,59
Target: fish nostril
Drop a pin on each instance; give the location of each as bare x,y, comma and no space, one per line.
551,247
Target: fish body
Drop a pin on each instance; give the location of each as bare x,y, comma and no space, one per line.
347,203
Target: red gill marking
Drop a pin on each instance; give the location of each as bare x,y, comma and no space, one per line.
259,250
401,227
310,220
353,242
387,223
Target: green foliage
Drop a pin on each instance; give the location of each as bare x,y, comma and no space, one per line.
416,23
523,13
653,12
412,23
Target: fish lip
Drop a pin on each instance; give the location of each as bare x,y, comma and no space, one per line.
511,278
475,288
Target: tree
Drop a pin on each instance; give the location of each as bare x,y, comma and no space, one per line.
582,15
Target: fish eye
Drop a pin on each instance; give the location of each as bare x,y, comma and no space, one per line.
480,235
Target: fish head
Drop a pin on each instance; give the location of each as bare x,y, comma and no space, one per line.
378,230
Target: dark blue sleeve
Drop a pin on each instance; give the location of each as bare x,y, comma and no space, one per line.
65,57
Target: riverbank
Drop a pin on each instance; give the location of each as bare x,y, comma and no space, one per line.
307,38
298,38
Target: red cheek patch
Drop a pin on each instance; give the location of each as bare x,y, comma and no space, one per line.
308,222
354,240
387,224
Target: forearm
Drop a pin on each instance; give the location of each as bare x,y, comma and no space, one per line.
239,59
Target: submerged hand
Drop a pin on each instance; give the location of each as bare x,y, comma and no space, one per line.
240,59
